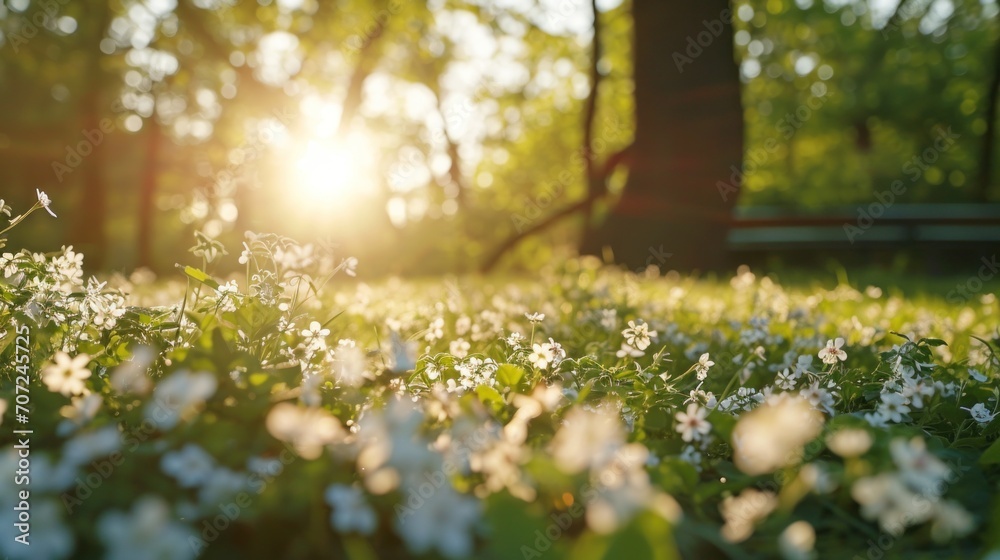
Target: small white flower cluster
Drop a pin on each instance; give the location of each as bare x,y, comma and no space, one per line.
546,355
912,494
472,373
393,454
594,440
193,467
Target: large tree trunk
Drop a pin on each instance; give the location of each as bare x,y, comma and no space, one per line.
989,136
688,146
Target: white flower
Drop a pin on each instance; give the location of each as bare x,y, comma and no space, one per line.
44,200
541,355
444,522
886,498
918,467
459,348
315,331
402,353
514,340
802,365
221,485
691,455
914,390
351,512
849,442
797,541
950,521
638,335
819,397
307,429
558,354
246,255
692,424
66,375
350,265
876,419
350,367
742,513
624,490
785,380
893,407
178,396
130,376
587,438
78,413
702,366
629,352
832,353
772,436
146,532
86,447
609,319
191,466
534,317
980,413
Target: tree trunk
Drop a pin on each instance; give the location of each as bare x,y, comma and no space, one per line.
688,150
147,195
90,217
989,136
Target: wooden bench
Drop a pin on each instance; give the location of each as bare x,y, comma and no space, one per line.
942,230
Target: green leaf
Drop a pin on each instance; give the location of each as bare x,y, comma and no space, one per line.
509,375
657,419
933,342
722,425
992,454
200,276
514,527
489,395
675,476
585,390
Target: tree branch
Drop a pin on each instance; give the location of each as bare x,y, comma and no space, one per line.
616,159
594,186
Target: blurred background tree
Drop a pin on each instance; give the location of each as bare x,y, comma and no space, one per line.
442,135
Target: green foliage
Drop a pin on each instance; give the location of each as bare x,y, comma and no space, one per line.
593,414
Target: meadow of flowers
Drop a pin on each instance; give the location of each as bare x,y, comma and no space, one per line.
296,411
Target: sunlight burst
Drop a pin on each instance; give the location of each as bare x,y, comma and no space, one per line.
333,172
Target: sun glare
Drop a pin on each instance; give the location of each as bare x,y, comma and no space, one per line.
333,173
